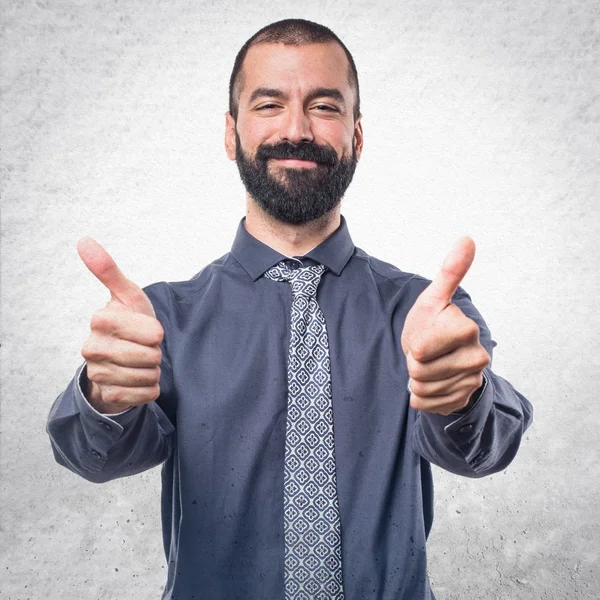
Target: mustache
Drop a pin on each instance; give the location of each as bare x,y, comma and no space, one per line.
306,151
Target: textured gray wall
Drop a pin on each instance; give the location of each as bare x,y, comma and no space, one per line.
479,117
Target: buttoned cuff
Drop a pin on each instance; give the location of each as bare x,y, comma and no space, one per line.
102,431
465,428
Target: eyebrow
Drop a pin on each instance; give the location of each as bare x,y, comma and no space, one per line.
319,92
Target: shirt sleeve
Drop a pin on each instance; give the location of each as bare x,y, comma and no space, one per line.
102,447
485,438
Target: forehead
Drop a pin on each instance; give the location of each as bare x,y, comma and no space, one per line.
293,68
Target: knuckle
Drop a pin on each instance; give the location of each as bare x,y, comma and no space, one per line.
418,388
418,350
99,321
158,333
483,358
85,351
471,330
414,367
441,387
108,319
90,351
154,392
95,373
416,402
155,356
148,377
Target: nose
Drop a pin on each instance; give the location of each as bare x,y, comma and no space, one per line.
296,126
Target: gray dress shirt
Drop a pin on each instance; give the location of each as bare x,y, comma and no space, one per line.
218,426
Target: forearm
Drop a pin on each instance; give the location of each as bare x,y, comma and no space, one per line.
102,447
480,441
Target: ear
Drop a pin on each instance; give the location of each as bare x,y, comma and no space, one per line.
229,136
358,137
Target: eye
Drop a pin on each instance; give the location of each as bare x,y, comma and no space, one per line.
326,108
269,106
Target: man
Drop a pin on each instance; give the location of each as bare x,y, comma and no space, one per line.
297,389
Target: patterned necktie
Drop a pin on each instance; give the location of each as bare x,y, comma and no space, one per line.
313,552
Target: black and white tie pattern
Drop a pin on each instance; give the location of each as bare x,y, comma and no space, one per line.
313,550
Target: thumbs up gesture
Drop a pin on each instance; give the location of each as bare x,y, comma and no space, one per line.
123,350
444,358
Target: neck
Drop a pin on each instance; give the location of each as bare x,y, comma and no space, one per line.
287,238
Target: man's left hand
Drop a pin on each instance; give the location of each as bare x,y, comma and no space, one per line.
444,357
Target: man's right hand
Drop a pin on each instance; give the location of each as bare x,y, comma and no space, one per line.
123,351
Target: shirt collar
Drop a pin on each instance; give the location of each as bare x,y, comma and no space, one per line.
256,257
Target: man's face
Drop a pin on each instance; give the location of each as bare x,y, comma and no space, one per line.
295,140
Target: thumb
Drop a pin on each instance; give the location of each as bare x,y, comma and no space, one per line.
455,266
101,264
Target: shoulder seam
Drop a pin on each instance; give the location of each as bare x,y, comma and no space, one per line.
372,267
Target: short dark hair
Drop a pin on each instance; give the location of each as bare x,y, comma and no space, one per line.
292,32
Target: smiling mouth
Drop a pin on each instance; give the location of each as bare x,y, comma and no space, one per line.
296,163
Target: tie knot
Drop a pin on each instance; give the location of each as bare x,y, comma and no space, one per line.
304,281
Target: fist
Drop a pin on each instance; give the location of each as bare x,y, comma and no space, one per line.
444,358
123,352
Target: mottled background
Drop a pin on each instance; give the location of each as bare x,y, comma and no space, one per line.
479,118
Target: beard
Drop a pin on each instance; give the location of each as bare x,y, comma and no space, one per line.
296,195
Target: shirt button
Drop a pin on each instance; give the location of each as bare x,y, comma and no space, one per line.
466,428
95,453
105,425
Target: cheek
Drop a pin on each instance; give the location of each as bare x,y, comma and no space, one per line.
253,134
335,135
